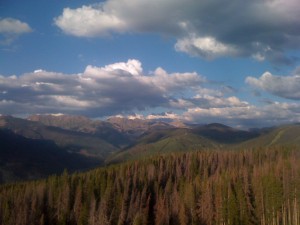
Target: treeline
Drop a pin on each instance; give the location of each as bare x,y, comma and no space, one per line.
259,186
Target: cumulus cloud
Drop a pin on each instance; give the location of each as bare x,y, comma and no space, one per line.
207,102
123,88
11,28
213,105
263,30
98,91
119,16
205,47
89,21
247,115
282,86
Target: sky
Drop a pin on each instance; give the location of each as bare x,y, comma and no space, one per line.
200,61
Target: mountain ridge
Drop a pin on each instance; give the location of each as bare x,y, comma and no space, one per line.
70,140
121,139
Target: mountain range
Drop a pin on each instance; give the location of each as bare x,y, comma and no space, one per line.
47,144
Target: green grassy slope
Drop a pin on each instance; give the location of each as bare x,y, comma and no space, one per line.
212,136
164,141
288,135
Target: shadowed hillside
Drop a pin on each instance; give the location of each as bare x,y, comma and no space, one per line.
97,128
224,134
23,158
69,140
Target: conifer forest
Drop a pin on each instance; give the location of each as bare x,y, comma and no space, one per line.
260,186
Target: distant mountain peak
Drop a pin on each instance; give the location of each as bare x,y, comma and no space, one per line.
61,120
137,126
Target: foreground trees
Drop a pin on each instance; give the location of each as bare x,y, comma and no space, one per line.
210,187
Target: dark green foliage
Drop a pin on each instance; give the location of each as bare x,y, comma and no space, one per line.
205,188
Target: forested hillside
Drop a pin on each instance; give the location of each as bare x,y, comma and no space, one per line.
259,186
27,159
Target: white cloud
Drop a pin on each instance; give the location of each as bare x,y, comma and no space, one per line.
123,88
205,98
133,67
174,81
119,16
264,30
112,89
72,101
246,116
89,21
204,47
130,68
282,86
11,28
131,73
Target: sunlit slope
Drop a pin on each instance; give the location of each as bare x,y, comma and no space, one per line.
165,141
288,135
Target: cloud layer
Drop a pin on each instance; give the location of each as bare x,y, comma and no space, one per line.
124,88
98,91
10,29
248,115
208,29
282,86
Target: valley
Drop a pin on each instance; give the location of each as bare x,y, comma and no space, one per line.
49,144
123,171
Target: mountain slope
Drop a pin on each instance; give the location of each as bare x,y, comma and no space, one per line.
164,141
143,138
23,158
137,127
100,129
224,134
70,140
200,137
287,135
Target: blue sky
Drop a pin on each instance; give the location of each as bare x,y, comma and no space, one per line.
198,61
